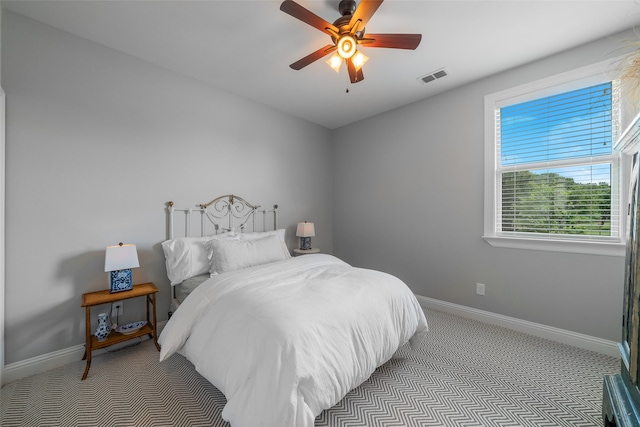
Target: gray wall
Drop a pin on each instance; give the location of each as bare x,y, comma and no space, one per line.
409,200
97,142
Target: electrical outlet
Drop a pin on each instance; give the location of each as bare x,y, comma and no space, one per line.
480,288
117,309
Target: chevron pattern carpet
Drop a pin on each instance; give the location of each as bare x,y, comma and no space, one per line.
467,373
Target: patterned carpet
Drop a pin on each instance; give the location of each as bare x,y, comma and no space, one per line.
466,373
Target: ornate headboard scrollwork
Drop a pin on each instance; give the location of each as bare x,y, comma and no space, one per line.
224,213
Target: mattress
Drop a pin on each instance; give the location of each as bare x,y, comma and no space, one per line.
183,290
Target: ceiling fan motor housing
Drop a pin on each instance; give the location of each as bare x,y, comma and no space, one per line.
347,7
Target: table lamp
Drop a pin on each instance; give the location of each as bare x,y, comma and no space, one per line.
305,232
118,262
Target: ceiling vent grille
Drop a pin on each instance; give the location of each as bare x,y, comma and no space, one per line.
433,76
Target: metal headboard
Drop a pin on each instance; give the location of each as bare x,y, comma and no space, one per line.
224,213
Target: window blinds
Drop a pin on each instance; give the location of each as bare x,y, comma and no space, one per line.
557,170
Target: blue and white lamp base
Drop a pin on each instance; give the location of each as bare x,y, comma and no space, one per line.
305,243
120,280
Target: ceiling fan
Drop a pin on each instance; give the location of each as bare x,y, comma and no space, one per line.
347,32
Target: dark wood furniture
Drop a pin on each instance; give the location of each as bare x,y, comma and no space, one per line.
621,395
91,299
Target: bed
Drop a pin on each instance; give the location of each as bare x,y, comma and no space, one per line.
283,338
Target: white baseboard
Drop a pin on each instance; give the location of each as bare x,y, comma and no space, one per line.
55,359
587,342
44,362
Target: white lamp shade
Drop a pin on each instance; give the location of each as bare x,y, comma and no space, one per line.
305,229
121,257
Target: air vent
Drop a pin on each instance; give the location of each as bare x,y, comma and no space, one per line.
433,76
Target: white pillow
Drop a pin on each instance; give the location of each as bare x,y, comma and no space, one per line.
262,234
187,256
230,255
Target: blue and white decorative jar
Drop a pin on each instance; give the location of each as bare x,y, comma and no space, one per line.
103,327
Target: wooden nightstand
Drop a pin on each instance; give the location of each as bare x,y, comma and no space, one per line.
299,251
91,299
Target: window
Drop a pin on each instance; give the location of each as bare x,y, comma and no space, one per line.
553,180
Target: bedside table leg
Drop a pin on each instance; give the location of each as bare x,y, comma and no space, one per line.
86,368
87,347
155,322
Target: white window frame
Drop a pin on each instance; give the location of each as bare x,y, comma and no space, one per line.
572,80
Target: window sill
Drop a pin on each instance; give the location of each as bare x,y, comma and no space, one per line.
590,248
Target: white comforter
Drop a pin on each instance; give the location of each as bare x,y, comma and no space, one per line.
286,340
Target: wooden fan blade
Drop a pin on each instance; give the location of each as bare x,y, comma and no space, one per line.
394,41
354,76
313,57
364,12
294,9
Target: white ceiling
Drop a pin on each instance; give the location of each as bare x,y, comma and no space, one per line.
245,46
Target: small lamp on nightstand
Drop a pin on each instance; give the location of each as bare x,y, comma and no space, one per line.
305,232
118,262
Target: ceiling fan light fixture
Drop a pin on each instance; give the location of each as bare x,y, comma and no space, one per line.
346,46
335,62
359,60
